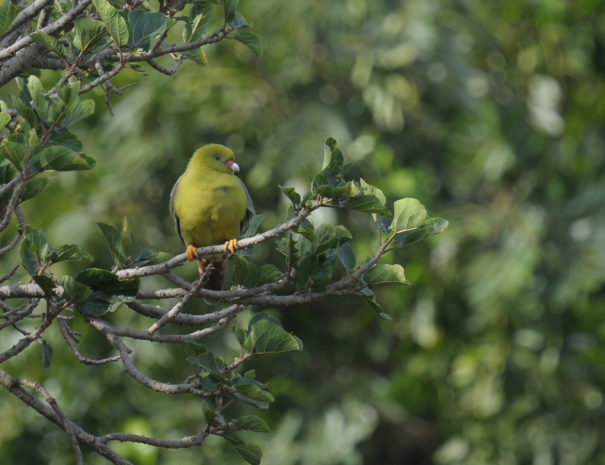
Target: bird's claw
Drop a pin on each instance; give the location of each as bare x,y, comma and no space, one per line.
230,245
191,252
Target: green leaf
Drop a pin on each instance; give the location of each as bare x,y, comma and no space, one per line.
33,247
195,29
292,195
34,85
46,283
347,256
61,158
4,119
251,453
114,22
265,335
47,353
249,39
143,26
32,188
230,6
367,198
115,242
332,175
252,392
239,21
102,280
239,334
436,225
250,275
87,33
385,274
252,423
8,12
75,291
198,55
328,236
101,302
66,138
14,149
81,110
49,42
208,362
69,252
408,214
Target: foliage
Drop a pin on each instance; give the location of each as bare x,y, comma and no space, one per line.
489,114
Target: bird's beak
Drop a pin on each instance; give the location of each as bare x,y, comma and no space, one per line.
232,165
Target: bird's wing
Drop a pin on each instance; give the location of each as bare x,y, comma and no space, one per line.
249,210
177,222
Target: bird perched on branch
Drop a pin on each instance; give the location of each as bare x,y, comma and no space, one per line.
210,205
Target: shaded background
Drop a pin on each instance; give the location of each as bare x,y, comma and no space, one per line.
492,114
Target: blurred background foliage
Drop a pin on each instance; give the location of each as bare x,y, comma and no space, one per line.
492,114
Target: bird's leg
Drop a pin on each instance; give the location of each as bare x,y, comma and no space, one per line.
191,252
230,245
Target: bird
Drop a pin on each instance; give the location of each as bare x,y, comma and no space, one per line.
210,205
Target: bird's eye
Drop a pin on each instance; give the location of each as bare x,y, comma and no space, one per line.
216,157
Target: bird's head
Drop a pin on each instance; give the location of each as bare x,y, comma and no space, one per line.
214,157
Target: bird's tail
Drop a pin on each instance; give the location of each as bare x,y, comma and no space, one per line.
214,274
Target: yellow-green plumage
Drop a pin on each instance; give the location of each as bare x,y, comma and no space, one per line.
210,204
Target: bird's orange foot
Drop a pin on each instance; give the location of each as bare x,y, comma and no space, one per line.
191,252
230,245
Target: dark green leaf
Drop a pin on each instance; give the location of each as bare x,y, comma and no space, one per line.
88,32
115,24
252,423
14,149
328,236
240,334
34,247
321,277
239,21
208,362
304,270
102,280
385,274
199,23
80,111
8,12
252,392
265,335
230,6
250,275
115,242
49,42
249,39
46,284
32,188
367,198
101,302
347,256
251,453
291,193
75,291
143,26
69,252
47,354
436,225
61,158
